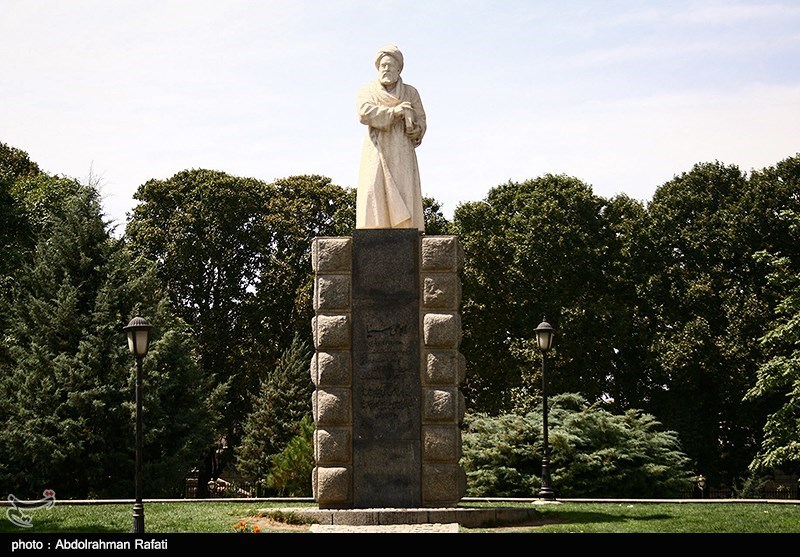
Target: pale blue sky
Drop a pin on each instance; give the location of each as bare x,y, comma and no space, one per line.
621,94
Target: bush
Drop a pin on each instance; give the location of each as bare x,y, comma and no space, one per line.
593,453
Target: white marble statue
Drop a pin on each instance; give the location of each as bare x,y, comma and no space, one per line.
389,194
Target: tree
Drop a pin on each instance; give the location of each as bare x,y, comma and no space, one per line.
235,256
779,376
283,400
68,391
23,189
16,162
774,206
298,209
631,369
19,178
290,470
593,453
435,221
707,298
203,229
545,247
10,226
9,254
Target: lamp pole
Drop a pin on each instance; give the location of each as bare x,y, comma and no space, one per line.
544,338
138,331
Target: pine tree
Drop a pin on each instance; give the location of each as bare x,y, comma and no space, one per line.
290,470
68,393
284,398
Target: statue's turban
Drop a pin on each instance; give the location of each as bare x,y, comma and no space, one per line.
389,50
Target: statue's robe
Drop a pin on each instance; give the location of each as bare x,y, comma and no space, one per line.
389,193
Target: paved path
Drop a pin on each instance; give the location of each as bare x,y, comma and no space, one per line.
389,528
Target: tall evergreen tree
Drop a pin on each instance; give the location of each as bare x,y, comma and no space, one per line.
290,470
16,238
283,399
68,393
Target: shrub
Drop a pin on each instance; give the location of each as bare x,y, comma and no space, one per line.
593,453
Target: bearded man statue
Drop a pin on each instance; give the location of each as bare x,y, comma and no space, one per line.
389,193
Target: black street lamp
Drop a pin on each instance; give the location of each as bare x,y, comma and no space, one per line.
544,338
701,484
138,331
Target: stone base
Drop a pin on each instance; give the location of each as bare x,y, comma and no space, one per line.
468,517
387,370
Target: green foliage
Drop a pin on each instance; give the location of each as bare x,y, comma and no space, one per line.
655,307
29,200
299,209
779,376
41,200
67,394
708,300
282,401
545,247
499,456
594,453
16,162
235,256
10,226
751,486
435,221
179,406
290,470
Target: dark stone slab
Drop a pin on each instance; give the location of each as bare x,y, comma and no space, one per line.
387,460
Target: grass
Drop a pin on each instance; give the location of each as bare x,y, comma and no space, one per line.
561,518
664,518
201,517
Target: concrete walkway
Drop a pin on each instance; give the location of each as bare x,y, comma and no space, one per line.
386,529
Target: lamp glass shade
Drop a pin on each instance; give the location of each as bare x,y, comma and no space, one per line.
138,341
544,336
138,331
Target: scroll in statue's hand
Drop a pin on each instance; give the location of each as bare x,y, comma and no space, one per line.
400,110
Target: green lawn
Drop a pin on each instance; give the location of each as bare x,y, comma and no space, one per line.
561,518
216,517
661,518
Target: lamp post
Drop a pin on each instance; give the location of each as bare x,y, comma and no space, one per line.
138,331
701,484
544,338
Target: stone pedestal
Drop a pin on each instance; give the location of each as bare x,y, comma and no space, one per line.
387,370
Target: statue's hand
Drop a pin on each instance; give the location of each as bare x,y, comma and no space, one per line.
400,109
415,135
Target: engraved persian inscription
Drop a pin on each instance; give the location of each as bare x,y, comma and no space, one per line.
386,368
382,337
